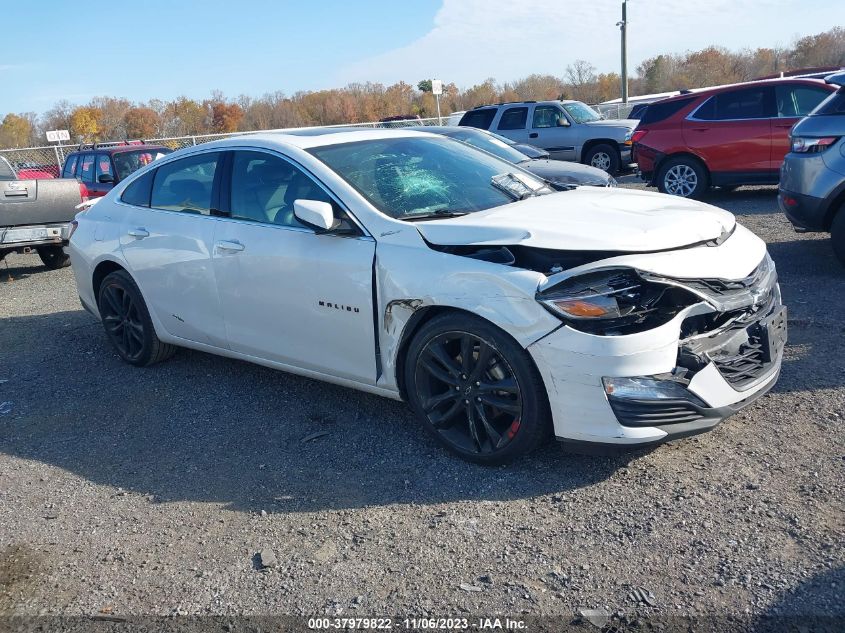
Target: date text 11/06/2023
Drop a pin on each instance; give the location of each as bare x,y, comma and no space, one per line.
421,624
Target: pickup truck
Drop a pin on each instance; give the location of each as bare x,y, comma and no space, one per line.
35,215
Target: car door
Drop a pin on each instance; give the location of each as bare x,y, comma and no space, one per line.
731,132
167,238
552,130
290,295
85,170
513,124
794,101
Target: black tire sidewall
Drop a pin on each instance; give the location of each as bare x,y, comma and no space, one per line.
615,159
125,282
53,257
837,235
535,422
703,177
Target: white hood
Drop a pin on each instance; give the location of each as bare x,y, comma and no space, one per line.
587,219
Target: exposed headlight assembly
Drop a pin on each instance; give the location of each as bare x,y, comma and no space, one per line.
615,301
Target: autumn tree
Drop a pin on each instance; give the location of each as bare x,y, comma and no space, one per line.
15,131
85,123
225,117
140,122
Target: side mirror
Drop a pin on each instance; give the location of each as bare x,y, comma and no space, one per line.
315,214
105,178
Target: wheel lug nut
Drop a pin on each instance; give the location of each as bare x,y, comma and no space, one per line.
466,401
478,398
457,388
463,377
478,384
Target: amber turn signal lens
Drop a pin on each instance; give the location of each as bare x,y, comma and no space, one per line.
579,308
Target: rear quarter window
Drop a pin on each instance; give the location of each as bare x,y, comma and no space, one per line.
660,111
478,118
834,104
139,191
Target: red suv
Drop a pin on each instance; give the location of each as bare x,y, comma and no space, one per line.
726,137
101,168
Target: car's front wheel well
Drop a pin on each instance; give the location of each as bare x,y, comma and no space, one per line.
419,318
102,270
598,141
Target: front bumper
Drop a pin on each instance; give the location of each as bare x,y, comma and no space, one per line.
722,370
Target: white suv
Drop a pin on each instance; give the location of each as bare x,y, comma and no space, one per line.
416,267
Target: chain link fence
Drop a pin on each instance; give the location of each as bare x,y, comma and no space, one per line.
46,161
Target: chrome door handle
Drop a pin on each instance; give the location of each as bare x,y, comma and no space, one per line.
232,247
139,233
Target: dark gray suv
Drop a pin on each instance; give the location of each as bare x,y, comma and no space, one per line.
812,178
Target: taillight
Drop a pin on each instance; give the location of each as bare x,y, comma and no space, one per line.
638,135
83,191
810,145
73,226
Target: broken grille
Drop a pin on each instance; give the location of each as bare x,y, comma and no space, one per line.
744,367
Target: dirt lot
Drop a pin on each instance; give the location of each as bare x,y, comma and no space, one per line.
127,491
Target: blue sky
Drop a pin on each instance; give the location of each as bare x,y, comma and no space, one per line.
156,48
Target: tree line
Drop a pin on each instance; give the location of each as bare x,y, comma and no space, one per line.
111,118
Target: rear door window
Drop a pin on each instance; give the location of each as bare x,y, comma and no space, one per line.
478,118
513,119
70,166
103,163
748,103
85,169
186,185
796,100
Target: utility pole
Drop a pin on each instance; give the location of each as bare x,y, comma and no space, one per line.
623,28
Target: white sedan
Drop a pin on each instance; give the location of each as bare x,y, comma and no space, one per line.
413,266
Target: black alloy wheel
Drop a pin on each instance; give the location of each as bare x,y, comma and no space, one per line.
478,396
127,321
122,321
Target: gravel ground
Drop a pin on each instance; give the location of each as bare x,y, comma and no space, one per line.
128,492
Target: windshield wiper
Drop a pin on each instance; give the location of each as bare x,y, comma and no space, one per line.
433,215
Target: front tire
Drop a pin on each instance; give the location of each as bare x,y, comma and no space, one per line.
837,235
684,177
603,156
53,257
127,321
476,390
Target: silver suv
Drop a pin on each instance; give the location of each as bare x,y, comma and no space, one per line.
568,130
812,177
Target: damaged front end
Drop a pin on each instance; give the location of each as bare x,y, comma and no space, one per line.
689,352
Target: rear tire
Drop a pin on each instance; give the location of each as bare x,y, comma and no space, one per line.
683,176
476,390
53,257
603,156
837,235
127,321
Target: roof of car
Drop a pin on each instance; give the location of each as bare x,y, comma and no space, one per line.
698,92
316,137
504,103
116,149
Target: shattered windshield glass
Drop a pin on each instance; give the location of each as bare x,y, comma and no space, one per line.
415,177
